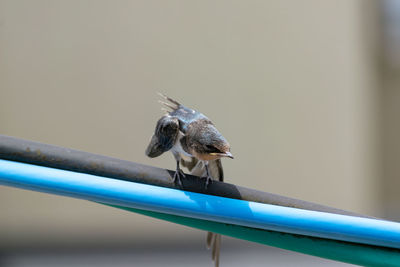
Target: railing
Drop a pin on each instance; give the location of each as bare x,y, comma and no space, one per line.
223,208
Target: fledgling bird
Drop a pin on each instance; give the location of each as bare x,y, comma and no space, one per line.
187,134
196,144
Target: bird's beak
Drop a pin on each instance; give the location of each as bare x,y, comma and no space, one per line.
228,154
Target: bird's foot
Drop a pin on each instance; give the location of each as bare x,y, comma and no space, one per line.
178,175
208,179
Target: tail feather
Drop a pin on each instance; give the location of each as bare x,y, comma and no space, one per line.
216,249
214,243
210,239
213,240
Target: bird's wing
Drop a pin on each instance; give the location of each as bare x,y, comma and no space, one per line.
197,168
164,137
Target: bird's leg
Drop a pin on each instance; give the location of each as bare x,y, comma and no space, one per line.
178,175
208,176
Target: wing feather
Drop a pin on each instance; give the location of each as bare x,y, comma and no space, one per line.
164,137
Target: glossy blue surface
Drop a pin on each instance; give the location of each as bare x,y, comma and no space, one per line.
213,208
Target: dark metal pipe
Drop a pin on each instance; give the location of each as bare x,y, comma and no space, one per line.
20,150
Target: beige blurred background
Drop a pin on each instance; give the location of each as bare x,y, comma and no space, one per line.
306,92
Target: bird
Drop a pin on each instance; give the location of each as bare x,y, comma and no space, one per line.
187,134
195,143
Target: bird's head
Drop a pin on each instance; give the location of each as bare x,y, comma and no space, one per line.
206,143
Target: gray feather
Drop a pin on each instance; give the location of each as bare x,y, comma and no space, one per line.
164,137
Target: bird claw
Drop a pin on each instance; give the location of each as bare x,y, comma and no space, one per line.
208,179
178,175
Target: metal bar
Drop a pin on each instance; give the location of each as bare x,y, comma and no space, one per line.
20,150
353,253
201,206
